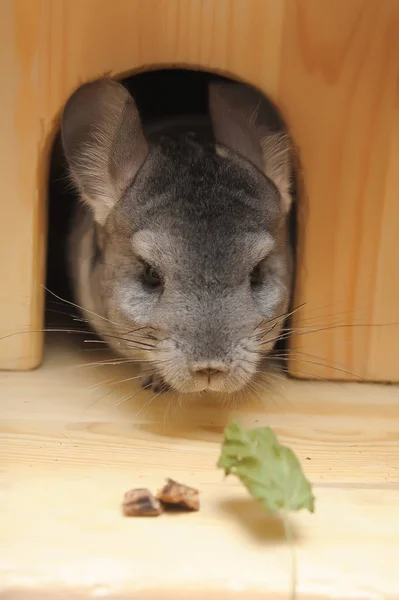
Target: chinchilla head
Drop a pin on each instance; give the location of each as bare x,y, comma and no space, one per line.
192,267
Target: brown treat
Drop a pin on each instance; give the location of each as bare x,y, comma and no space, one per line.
141,503
179,495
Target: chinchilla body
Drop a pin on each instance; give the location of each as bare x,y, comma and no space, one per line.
179,252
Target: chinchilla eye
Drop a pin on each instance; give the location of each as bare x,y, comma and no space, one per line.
256,276
151,278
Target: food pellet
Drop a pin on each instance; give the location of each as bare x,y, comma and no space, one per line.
141,503
179,495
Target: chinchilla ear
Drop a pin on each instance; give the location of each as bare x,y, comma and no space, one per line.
103,142
241,122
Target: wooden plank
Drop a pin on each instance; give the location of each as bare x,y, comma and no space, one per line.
339,74
68,454
23,173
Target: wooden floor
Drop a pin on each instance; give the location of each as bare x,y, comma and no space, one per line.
70,446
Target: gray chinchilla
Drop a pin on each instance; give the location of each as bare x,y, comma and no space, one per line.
179,252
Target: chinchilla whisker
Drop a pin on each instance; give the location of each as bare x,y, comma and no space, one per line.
288,331
107,363
147,373
66,314
306,328
268,381
130,397
106,348
289,335
55,302
45,330
143,343
320,364
252,386
133,343
314,322
298,352
121,336
170,404
289,353
261,334
137,345
259,390
242,398
97,342
282,317
297,356
180,401
51,302
150,336
140,338
323,315
101,383
149,402
138,329
117,381
81,307
257,394
254,380
310,376
231,384
271,328
274,375
251,362
263,331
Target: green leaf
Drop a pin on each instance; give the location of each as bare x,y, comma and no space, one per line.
270,471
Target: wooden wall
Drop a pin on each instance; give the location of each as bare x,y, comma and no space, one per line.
331,66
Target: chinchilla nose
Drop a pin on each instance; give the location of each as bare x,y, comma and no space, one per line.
210,370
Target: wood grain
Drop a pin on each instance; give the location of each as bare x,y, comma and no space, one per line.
333,70
69,452
339,76
22,186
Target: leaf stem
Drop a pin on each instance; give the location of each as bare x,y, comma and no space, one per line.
294,564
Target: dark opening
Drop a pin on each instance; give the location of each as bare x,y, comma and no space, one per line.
158,94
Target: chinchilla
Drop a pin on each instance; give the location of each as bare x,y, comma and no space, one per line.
179,252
